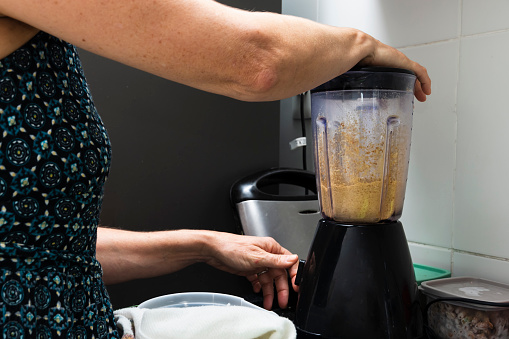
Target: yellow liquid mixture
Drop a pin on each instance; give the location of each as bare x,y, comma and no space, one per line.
366,179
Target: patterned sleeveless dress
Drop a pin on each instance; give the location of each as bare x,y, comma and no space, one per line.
54,160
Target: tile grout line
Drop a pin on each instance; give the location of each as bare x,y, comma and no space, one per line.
459,37
486,256
455,169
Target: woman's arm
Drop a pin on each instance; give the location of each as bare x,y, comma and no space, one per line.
127,255
250,56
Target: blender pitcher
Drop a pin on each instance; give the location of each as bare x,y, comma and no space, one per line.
362,132
358,281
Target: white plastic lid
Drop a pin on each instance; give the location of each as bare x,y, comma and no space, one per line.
193,299
467,287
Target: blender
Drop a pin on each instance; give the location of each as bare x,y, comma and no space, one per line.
358,280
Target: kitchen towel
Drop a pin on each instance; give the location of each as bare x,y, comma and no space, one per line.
211,322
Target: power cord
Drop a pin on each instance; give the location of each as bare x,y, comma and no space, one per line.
302,96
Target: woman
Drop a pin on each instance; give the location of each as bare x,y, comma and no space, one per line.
55,152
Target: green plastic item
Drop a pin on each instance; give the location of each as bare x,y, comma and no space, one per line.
425,273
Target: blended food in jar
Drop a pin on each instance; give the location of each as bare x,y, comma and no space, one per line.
363,202
458,322
367,170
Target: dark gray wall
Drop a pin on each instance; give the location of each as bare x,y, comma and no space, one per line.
176,152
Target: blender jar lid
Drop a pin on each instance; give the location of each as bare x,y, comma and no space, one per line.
384,78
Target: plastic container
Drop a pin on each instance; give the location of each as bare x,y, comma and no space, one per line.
194,299
466,307
426,273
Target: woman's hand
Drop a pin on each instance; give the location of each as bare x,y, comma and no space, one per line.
384,55
262,260
128,255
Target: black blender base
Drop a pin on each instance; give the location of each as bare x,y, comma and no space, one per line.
305,335
358,283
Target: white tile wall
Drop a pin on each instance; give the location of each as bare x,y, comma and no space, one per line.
456,213
428,210
482,179
398,23
431,256
476,266
484,16
302,8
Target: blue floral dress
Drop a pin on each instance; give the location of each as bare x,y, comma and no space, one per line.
54,160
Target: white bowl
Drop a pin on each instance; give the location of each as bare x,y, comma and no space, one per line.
193,299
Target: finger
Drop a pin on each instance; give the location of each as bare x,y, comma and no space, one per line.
419,94
257,287
253,279
423,83
270,245
267,283
292,271
279,261
294,285
283,291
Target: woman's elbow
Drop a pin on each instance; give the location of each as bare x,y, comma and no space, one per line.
262,68
263,85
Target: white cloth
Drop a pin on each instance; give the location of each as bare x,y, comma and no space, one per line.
210,322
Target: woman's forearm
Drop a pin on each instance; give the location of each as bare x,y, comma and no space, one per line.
128,255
